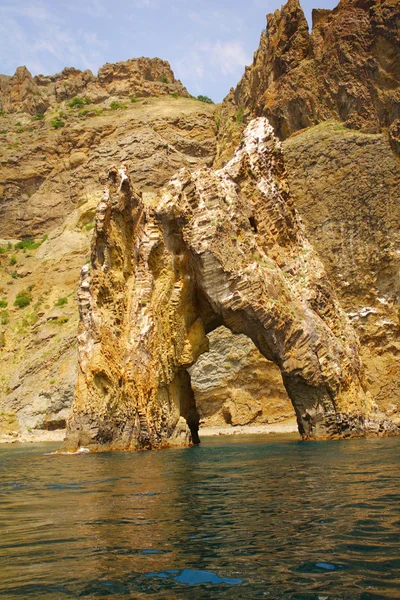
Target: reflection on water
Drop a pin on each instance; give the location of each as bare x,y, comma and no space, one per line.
234,518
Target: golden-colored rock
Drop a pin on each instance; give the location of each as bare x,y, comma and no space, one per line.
137,77
49,186
347,69
221,247
234,384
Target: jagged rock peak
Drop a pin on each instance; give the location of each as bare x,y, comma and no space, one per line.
348,68
134,77
219,247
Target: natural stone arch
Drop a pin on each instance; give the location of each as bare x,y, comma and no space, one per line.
217,248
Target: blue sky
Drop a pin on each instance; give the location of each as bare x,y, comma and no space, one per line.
207,42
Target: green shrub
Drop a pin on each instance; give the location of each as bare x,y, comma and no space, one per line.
205,99
239,115
61,301
4,317
23,299
116,105
3,303
217,122
4,131
13,260
2,113
38,117
28,244
89,227
164,79
175,95
76,103
14,275
57,123
133,99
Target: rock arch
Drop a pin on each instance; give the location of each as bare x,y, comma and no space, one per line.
217,247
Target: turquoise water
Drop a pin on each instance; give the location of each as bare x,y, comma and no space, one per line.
246,517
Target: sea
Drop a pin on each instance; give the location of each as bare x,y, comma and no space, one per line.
236,517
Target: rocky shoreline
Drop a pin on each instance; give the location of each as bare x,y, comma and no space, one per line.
58,436
288,427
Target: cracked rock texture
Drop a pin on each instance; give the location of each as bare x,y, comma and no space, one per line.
219,248
344,174
50,185
344,180
347,68
137,77
235,385
347,188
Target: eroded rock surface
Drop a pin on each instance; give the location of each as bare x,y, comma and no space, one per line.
346,185
46,173
347,68
52,156
343,173
49,189
137,77
235,385
221,247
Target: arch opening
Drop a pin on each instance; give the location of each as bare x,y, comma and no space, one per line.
235,386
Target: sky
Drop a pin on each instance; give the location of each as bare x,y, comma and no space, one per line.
207,42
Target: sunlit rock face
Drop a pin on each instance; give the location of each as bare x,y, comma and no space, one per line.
49,188
235,385
135,77
347,68
221,247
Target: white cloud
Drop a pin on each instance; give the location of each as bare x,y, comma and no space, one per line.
36,37
228,56
145,3
212,59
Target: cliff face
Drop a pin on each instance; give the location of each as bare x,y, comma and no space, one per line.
138,77
48,166
347,189
344,175
347,68
59,135
234,384
50,185
219,247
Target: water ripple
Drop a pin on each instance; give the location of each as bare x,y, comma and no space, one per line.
234,519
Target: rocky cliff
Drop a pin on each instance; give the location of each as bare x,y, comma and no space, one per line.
217,247
51,169
59,135
347,69
347,189
138,77
344,173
